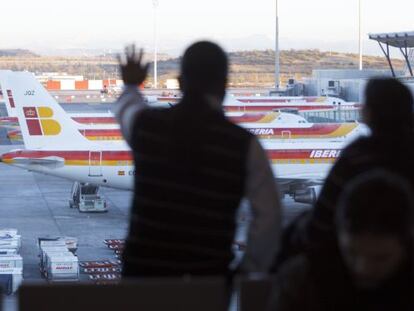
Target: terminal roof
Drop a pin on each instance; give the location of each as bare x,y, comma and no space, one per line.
395,39
404,41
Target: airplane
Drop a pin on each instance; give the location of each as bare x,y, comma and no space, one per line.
265,125
271,125
54,146
280,126
274,103
86,123
14,135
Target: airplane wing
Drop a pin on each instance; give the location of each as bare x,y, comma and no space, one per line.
48,161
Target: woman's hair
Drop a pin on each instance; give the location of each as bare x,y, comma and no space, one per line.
389,106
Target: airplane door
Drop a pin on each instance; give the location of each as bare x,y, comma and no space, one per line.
286,134
95,161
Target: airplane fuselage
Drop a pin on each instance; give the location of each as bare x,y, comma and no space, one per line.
115,168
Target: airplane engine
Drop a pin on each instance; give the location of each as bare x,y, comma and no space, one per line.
308,195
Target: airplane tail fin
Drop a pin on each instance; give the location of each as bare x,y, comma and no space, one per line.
8,100
42,120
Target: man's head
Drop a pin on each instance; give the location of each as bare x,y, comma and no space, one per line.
388,106
204,69
375,227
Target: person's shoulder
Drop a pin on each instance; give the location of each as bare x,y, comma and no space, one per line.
360,142
238,130
359,145
156,113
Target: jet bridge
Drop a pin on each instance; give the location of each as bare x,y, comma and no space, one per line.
404,41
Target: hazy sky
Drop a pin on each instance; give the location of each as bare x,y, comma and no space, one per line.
237,24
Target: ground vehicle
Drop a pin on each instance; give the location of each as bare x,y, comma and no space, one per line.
85,197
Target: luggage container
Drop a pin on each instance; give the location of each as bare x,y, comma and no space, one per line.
11,243
51,243
70,242
50,254
55,249
11,262
46,250
11,279
62,268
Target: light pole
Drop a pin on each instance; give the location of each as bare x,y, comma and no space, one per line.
155,4
360,33
277,52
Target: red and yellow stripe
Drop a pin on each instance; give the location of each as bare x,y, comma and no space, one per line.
124,158
74,158
95,120
102,134
255,118
316,131
303,156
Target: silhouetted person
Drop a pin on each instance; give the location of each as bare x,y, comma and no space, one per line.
193,168
374,229
388,112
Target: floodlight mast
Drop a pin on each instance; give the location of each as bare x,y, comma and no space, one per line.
155,4
277,51
360,34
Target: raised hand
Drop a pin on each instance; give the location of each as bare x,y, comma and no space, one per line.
132,70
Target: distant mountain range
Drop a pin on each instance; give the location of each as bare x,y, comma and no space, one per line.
17,53
257,67
292,61
247,67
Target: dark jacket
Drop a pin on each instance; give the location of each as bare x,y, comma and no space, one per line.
317,284
394,153
315,230
190,176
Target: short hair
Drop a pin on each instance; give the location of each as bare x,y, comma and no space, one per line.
378,202
204,68
390,105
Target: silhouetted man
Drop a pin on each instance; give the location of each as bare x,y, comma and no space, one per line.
193,168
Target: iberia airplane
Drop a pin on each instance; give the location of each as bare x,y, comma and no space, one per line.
54,146
86,123
269,103
270,125
275,125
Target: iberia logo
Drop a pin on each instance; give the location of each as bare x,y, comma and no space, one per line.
39,121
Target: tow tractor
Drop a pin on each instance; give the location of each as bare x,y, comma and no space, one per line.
85,197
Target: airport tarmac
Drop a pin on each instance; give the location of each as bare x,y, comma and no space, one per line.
38,205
